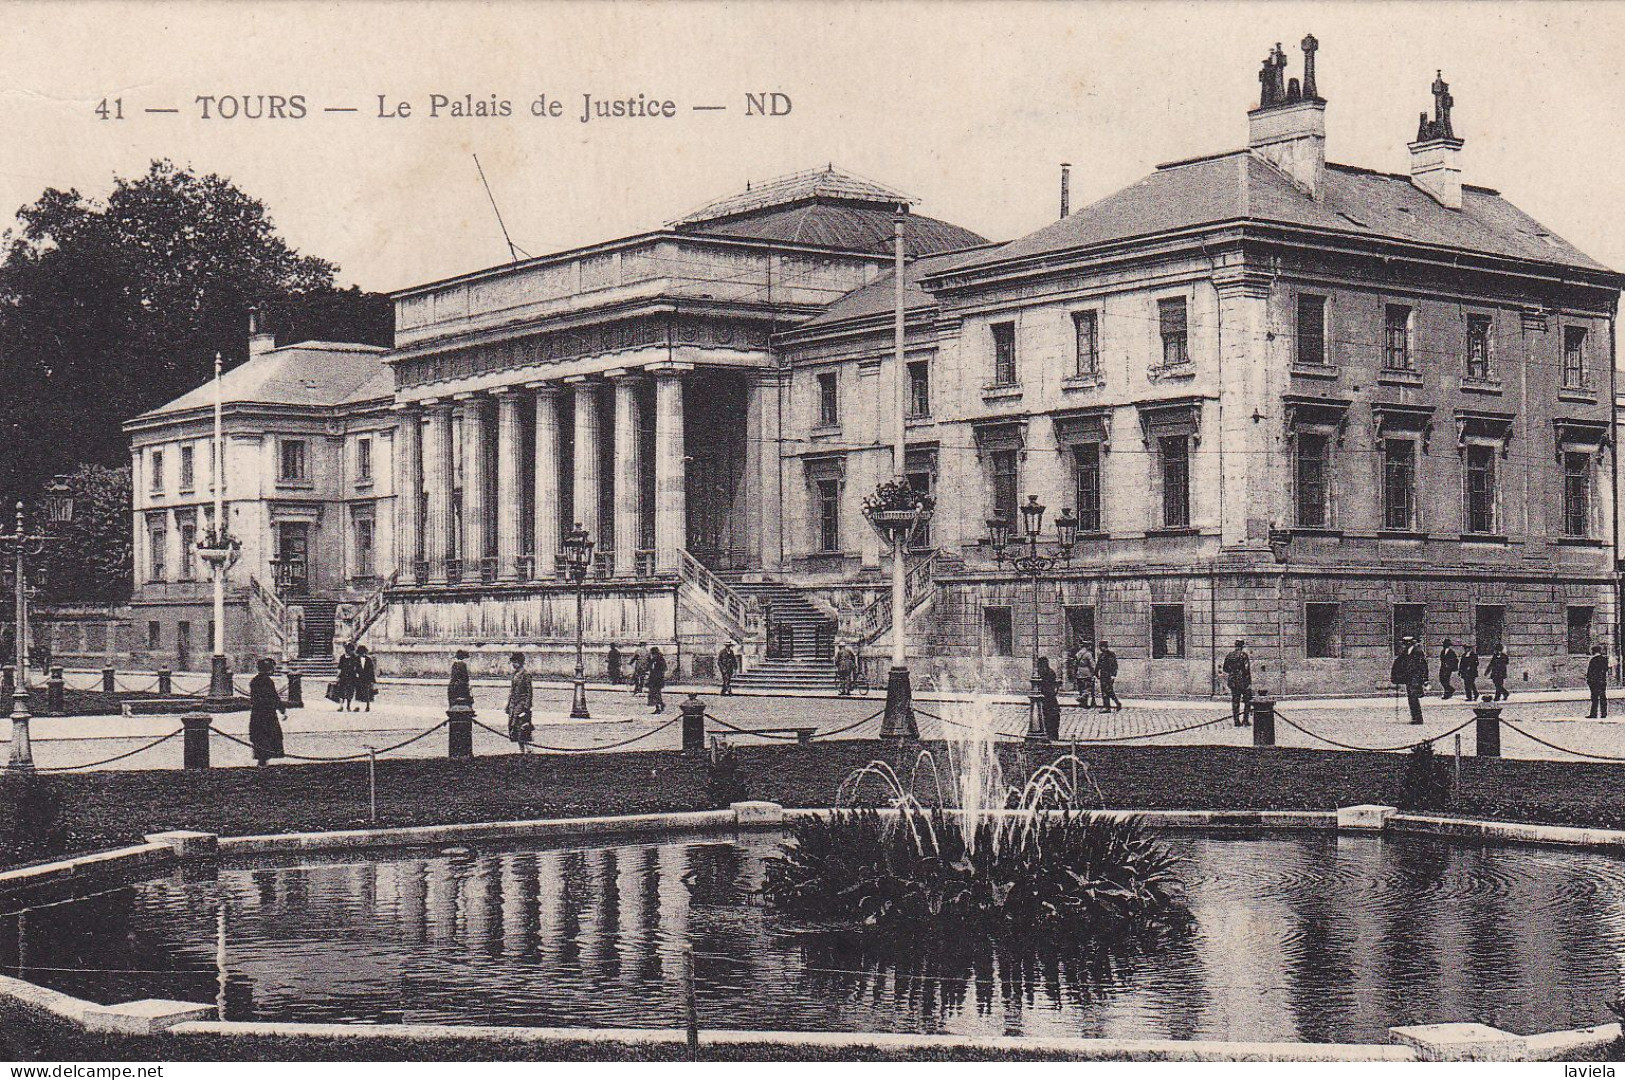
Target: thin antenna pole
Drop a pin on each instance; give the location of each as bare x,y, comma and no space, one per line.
513,252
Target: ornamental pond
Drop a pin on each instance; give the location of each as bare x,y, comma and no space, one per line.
1303,936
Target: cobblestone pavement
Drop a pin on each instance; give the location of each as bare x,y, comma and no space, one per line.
405,710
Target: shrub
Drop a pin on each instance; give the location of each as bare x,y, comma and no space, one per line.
1056,877
1427,782
31,825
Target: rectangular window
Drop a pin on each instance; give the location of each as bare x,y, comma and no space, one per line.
1579,630
920,480
1574,356
1080,627
1408,621
155,467
1490,624
1176,480
998,634
363,548
363,461
1172,322
1086,485
1478,346
1004,354
1396,339
1320,630
829,515
1312,330
829,399
155,636
1480,488
1167,631
292,466
1313,505
919,388
188,477
1576,494
188,550
183,642
1398,484
157,551
1006,480
1086,336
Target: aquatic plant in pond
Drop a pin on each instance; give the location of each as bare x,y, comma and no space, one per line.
1059,876
988,858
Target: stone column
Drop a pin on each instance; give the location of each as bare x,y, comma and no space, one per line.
473,433
437,485
584,508
628,469
671,507
509,505
408,489
763,468
547,477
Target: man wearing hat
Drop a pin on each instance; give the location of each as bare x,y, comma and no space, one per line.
1411,671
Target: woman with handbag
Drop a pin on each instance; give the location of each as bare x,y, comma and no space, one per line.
366,678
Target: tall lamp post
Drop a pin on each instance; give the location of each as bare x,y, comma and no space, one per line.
219,550
1022,553
23,545
577,561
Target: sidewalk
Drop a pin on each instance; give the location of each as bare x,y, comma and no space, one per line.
407,708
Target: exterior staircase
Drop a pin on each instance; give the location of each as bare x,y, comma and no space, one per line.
800,640
316,633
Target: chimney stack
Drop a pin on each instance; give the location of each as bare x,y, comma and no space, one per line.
1288,129
260,340
1066,188
1436,153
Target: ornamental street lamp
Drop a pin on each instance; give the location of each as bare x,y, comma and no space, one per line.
577,561
23,545
897,512
219,550
1022,553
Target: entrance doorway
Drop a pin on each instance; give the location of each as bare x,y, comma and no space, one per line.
293,557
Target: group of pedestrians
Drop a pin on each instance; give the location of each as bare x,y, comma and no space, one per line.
1090,670
1410,671
647,675
357,681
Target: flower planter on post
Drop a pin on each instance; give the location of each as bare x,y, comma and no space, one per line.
896,511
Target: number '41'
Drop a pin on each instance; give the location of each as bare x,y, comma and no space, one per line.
111,110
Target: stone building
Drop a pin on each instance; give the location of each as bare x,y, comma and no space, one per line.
309,493
1306,404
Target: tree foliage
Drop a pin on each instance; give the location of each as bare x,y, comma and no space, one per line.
90,560
110,308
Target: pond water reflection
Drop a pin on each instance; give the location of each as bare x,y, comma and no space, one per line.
1308,937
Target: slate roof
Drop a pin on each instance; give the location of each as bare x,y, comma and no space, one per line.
309,374
1240,186
879,296
827,208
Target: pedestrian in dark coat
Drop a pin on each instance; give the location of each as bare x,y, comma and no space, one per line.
1410,670
265,705
1449,664
1469,671
640,668
366,678
1106,671
1049,686
656,679
346,677
1238,675
520,701
727,666
458,692
1597,681
613,661
1498,673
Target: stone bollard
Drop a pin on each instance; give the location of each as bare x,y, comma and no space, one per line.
296,690
693,711
8,682
1489,730
1263,719
109,681
55,699
195,740
166,681
460,732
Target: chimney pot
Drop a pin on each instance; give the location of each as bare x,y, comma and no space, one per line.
1436,153
260,339
1288,129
